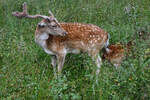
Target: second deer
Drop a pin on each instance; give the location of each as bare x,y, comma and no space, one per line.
58,39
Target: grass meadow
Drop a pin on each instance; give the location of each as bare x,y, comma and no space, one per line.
25,69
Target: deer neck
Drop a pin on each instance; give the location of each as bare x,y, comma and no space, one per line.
42,41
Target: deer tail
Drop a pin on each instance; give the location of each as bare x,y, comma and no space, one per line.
107,44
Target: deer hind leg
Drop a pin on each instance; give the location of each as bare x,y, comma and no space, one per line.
98,63
97,59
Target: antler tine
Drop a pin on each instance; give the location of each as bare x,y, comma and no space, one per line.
51,13
26,15
25,8
52,16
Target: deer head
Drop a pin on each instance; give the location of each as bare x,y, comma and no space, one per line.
48,25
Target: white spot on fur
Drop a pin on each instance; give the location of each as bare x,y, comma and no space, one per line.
82,43
91,42
95,41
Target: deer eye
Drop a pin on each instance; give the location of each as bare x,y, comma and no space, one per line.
41,25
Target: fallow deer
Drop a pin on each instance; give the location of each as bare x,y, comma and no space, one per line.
58,39
118,52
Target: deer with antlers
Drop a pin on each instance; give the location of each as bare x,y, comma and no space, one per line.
57,39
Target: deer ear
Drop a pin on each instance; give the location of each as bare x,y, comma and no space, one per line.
48,20
52,19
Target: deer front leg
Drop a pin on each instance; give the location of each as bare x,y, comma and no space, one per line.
61,60
98,63
54,63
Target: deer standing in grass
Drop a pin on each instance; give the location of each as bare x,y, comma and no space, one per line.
58,39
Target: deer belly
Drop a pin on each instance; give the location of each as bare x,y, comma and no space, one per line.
74,51
49,51
76,47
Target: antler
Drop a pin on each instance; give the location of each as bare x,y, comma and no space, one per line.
26,15
51,14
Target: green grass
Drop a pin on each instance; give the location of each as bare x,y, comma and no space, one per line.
25,70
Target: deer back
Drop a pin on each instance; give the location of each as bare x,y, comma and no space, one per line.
81,36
